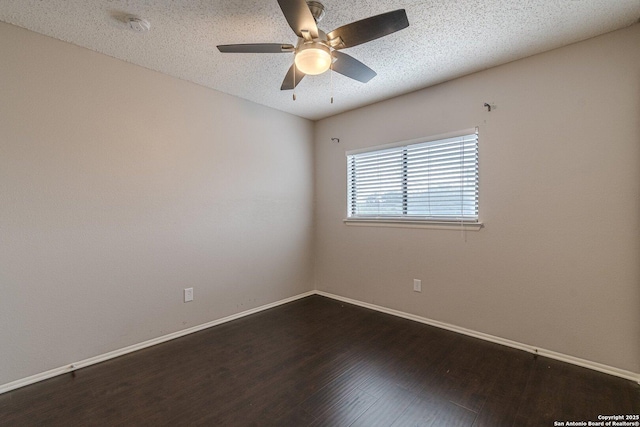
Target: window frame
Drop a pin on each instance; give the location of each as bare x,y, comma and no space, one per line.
412,221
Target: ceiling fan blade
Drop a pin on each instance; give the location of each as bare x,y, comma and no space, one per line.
352,68
299,17
256,48
287,83
369,29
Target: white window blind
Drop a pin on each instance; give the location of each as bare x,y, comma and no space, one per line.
434,180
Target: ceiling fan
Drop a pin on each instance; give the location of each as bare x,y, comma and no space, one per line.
317,51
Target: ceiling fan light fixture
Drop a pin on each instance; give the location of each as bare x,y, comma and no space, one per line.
313,58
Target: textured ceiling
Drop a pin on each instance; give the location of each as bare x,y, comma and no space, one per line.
445,39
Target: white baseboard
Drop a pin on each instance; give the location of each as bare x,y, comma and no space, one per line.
120,352
633,376
509,343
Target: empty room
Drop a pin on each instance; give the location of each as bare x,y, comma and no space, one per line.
290,213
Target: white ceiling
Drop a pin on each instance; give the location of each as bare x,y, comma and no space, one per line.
445,39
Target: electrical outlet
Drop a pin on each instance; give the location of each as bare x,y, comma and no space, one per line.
417,285
188,294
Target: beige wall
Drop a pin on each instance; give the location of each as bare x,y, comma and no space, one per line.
557,265
119,187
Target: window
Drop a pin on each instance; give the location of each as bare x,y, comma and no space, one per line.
427,180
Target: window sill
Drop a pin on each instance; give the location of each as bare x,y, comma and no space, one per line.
404,223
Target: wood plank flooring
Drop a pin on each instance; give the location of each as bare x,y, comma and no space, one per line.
320,362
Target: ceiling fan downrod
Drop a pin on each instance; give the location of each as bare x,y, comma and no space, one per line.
317,10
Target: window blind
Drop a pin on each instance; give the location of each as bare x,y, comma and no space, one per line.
435,180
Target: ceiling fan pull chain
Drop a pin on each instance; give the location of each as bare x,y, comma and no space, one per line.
331,78
294,82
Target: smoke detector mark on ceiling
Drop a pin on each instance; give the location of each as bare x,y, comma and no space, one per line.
138,25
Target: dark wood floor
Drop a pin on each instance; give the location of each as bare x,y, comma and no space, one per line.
317,361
